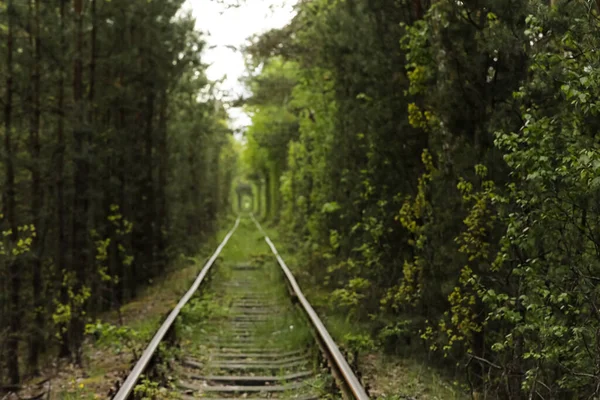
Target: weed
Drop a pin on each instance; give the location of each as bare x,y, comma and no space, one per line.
151,390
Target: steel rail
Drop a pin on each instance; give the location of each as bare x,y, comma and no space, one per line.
133,377
349,377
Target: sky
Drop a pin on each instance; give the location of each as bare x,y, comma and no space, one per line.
226,27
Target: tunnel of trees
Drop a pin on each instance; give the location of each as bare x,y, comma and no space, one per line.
434,165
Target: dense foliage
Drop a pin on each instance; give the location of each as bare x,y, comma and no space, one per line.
437,166
116,158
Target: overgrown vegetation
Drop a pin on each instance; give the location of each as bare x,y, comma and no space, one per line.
207,324
116,159
436,164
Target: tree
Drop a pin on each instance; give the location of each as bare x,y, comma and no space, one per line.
274,125
443,190
96,188
36,184
9,209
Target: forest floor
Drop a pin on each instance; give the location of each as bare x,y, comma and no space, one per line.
386,377
107,361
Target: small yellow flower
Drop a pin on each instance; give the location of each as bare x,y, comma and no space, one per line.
81,386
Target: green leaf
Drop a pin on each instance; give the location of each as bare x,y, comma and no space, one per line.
330,207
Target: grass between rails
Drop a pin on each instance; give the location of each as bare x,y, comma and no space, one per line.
386,376
207,319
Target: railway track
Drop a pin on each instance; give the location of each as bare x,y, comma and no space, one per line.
249,333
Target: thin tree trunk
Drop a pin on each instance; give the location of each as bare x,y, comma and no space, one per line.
61,252
161,215
275,194
93,56
96,210
194,220
80,206
259,197
418,9
149,212
268,200
37,337
10,209
214,197
120,266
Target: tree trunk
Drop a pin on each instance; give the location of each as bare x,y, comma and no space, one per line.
161,200
150,202
61,253
37,337
120,267
275,202
259,197
417,9
80,182
268,204
212,196
194,196
92,91
95,210
10,209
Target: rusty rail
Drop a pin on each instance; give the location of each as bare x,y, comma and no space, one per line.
333,352
127,387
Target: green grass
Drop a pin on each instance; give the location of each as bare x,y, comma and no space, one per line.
246,242
287,330
387,377
398,378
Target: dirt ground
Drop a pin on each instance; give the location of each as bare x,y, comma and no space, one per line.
105,366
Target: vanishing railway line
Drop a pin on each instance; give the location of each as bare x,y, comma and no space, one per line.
255,337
